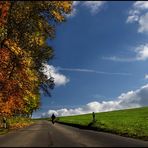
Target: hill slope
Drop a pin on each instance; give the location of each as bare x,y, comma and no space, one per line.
129,122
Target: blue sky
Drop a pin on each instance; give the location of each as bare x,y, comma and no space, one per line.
100,61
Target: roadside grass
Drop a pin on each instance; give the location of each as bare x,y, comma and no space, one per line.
15,123
19,122
129,122
3,131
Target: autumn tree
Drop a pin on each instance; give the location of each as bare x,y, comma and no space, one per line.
25,27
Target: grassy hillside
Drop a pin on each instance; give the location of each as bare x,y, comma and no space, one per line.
130,122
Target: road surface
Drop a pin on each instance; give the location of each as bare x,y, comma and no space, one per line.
45,134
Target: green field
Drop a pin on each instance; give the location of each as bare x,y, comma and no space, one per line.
130,122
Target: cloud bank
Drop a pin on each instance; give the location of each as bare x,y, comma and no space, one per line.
131,99
59,78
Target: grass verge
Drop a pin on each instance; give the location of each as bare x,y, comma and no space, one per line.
16,123
3,131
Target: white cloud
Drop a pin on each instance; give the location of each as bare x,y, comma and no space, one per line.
141,55
133,16
75,3
94,6
72,14
142,52
74,9
59,79
131,99
146,76
141,5
139,14
143,23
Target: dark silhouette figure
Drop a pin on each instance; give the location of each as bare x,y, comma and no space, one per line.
53,118
4,122
93,114
93,120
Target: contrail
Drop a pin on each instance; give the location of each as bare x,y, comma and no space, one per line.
93,71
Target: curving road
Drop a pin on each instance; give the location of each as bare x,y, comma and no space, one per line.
45,134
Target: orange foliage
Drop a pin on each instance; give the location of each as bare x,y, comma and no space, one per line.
14,104
4,55
16,81
23,34
4,8
11,94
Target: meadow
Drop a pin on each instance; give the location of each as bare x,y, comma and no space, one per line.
129,122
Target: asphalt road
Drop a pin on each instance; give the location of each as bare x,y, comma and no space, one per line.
45,134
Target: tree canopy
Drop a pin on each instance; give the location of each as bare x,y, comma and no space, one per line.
25,27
